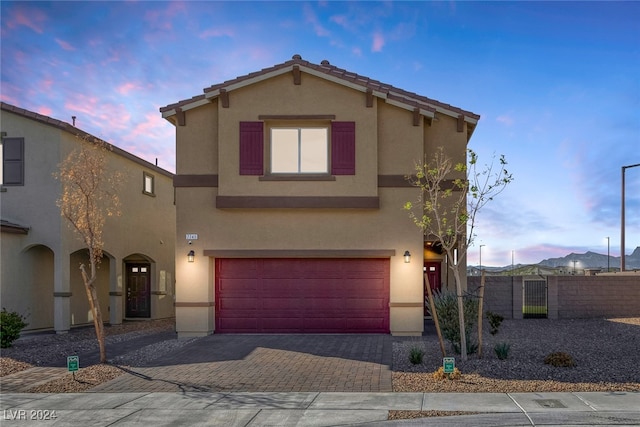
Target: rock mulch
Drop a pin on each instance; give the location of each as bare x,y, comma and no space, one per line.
606,352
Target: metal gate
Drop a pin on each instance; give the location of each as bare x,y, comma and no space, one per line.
534,298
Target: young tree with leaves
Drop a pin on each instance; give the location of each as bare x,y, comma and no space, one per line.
451,196
88,196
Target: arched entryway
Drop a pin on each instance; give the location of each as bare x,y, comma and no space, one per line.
137,289
33,297
80,309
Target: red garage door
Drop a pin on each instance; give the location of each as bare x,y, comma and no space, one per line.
302,295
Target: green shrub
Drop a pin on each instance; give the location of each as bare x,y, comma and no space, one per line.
11,323
494,321
560,359
502,350
446,304
415,355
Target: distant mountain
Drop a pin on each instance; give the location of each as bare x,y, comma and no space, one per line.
593,260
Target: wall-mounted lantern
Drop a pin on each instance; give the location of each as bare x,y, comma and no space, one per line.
191,255
407,256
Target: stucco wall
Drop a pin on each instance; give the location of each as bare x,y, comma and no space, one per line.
387,144
146,226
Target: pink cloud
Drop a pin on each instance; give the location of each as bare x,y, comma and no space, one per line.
378,42
217,32
30,18
125,88
13,100
65,45
152,126
505,120
97,117
159,136
163,19
311,18
45,111
45,85
340,20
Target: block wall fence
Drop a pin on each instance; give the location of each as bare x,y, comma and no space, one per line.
568,297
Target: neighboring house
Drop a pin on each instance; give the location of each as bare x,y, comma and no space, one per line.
290,188
41,254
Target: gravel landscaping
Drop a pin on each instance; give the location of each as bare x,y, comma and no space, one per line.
605,351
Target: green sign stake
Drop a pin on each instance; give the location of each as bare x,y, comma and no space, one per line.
448,364
73,363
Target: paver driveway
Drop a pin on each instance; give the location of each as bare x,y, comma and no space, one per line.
267,363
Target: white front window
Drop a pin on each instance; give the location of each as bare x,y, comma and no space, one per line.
299,150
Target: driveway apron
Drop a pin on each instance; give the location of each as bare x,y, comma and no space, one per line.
266,363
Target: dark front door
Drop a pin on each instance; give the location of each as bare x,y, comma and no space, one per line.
432,273
138,291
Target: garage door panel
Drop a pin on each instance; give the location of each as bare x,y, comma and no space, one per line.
238,303
239,324
275,304
281,324
302,295
364,324
281,287
238,285
359,286
367,304
325,305
325,325
239,268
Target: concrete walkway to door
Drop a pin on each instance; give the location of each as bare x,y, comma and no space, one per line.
267,363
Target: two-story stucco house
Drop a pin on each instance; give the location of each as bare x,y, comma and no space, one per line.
40,253
290,186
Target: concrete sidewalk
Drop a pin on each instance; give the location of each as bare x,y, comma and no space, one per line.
318,409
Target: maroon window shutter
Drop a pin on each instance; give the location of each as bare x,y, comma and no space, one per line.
13,161
343,148
251,148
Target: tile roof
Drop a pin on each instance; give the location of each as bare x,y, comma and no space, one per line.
12,227
326,70
80,133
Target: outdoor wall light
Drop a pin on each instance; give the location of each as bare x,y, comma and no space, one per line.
407,256
190,256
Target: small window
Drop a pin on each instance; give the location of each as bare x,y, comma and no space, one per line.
299,150
148,184
12,161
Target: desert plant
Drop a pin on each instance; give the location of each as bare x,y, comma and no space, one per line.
560,359
440,375
415,355
89,195
494,321
502,350
452,193
11,324
446,304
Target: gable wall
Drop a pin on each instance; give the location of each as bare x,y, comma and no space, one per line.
315,96
197,152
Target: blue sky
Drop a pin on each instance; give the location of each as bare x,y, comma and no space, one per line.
557,85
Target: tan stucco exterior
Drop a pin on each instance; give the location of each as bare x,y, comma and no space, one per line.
389,139
40,267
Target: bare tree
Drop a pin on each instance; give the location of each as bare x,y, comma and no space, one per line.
88,196
450,198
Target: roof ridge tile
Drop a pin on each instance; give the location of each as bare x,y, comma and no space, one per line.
336,72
